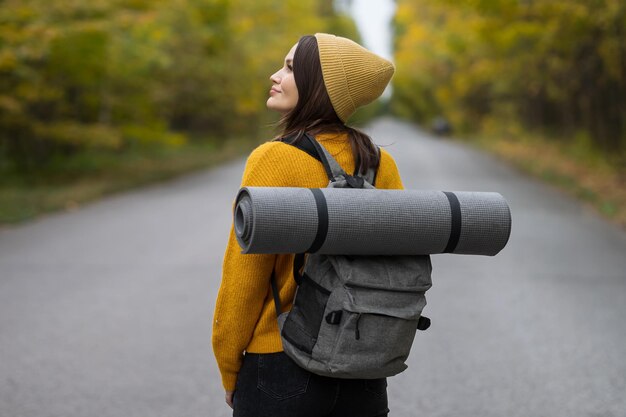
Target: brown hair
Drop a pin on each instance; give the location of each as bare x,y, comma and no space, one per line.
314,112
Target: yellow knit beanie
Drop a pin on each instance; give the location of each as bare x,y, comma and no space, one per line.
353,75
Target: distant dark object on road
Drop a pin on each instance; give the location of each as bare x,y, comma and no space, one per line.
441,126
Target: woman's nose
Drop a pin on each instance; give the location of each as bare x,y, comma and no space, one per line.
275,78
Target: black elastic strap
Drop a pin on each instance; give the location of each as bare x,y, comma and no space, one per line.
322,220
303,144
321,154
275,294
455,227
298,263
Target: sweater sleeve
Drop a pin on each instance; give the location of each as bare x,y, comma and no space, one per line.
388,176
245,279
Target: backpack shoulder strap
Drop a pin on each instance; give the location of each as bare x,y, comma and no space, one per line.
333,170
303,145
370,175
332,167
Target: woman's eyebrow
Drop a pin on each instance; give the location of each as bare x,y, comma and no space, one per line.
288,61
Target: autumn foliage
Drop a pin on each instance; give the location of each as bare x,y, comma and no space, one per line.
554,66
111,75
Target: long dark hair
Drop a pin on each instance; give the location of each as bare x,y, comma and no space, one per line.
314,112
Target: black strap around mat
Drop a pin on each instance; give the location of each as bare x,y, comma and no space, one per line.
307,144
455,220
322,220
275,294
320,237
298,263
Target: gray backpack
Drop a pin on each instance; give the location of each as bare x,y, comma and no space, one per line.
353,316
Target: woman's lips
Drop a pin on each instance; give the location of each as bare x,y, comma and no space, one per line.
274,91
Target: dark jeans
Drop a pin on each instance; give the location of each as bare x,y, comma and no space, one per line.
272,385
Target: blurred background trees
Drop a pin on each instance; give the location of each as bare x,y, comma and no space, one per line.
87,85
554,67
114,75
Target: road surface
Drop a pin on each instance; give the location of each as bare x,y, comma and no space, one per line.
106,311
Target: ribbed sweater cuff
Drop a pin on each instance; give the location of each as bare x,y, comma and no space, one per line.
229,380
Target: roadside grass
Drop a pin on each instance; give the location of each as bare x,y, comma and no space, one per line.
79,179
574,166
71,182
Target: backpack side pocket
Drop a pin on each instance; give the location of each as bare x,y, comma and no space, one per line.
302,323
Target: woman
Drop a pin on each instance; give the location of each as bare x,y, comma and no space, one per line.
324,79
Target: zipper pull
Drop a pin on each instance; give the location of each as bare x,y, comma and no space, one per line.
357,334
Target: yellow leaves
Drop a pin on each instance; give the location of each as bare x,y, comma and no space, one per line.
152,135
612,51
484,62
104,73
404,13
157,35
248,105
10,105
8,60
24,13
33,93
78,134
243,25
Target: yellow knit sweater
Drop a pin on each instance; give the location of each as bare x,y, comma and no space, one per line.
245,316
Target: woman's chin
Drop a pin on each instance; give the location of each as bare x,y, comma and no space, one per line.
272,106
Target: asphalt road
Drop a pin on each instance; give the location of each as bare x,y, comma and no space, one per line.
106,311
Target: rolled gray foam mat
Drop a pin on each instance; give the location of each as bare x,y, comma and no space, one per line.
370,222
